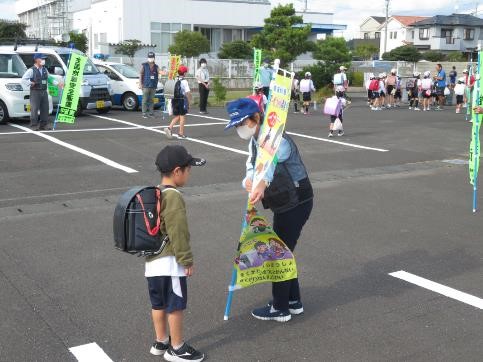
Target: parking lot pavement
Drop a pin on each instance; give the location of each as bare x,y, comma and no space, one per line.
393,205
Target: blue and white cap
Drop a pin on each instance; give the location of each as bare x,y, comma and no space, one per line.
241,109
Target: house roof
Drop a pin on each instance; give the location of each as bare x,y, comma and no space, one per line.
379,19
453,19
408,20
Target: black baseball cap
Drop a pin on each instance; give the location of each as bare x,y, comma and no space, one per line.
173,156
151,55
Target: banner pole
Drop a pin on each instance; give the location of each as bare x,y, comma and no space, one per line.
476,125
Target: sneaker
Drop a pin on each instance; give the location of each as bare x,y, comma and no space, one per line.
340,134
158,348
296,112
145,115
184,353
330,135
167,130
151,115
181,136
417,108
410,108
294,307
388,106
269,314
457,111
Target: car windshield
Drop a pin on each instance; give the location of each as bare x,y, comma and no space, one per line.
11,66
89,68
126,70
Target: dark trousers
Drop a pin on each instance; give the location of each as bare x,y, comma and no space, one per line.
266,91
39,101
288,226
204,92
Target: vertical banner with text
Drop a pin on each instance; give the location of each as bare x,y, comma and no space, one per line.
71,92
474,159
257,62
174,63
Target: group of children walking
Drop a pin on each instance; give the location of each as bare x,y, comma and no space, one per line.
384,91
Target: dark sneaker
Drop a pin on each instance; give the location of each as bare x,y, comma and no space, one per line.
181,136
295,308
158,348
341,133
168,132
145,115
184,353
151,115
268,314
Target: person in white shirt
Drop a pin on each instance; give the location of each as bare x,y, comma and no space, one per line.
307,87
459,91
426,85
295,94
340,82
181,103
203,78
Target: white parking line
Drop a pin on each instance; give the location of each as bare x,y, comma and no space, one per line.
162,132
89,353
310,137
77,149
439,288
109,129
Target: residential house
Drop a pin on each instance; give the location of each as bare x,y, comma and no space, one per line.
399,32
369,33
448,33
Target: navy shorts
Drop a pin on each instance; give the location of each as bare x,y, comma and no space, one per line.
306,96
168,293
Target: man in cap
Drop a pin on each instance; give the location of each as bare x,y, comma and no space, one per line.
35,79
148,82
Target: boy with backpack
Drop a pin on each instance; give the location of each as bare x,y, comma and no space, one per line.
413,91
181,103
166,273
459,91
307,87
374,89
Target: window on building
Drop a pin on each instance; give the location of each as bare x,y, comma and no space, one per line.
448,35
469,34
424,33
412,34
395,35
162,34
377,35
390,35
366,35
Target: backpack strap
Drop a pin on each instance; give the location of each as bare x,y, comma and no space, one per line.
155,230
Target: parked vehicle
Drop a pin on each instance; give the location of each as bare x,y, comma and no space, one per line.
14,99
95,91
125,85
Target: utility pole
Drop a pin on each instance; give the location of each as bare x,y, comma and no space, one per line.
385,26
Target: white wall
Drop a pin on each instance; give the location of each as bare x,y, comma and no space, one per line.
369,26
402,34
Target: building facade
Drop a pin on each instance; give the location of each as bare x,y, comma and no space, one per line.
399,32
449,33
155,22
369,28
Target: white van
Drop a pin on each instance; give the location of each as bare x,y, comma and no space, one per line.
125,86
95,91
14,99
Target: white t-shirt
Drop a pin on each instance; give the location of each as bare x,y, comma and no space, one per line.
185,88
381,86
459,89
426,83
202,75
340,78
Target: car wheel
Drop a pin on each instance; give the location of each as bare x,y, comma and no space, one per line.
103,110
130,102
3,113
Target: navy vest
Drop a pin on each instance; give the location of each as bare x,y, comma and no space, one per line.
39,76
149,82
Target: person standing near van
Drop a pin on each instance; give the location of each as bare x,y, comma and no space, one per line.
148,82
203,78
35,78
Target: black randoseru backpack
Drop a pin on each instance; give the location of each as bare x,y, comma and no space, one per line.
137,222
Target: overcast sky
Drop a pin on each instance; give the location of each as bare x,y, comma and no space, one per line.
349,12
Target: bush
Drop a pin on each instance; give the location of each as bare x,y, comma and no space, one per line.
238,49
433,56
405,53
356,79
456,57
189,44
219,90
322,73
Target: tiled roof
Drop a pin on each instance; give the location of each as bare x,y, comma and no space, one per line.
408,20
379,19
453,19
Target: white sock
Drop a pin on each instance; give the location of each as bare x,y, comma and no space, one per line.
165,341
178,347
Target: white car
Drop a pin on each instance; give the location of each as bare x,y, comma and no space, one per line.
14,99
125,85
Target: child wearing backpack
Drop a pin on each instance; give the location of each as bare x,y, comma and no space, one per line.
459,91
374,89
426,85
166,273
413,91
181,103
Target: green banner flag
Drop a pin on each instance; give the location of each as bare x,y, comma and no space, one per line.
477,97
52,86
257,62
70,95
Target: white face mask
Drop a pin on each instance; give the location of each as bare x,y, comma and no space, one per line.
203,65
42,62
265,65
246,132
151,60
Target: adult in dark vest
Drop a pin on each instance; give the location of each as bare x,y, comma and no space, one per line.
36,79
286,190
148,82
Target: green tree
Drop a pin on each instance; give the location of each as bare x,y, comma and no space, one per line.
433,56
283,36
189,44
80,41
238,49
331,53
219,90
456,57
129,47
366,51
12,29
405,53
